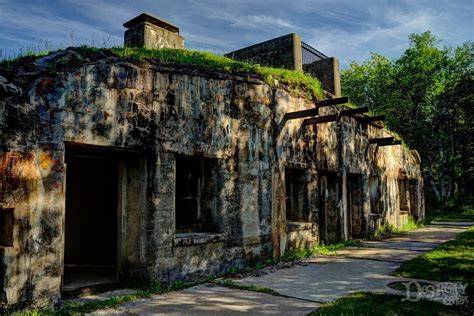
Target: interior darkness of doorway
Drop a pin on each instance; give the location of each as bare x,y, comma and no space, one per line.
90,255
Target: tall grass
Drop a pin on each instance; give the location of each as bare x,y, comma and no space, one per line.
388,230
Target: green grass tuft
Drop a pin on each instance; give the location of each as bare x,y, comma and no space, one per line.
320,249
366,303
388,230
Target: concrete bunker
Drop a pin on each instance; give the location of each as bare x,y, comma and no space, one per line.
192,171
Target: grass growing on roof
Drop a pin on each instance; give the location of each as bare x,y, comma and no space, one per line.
296,80
8,64
219,63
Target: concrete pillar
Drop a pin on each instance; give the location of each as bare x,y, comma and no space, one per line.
336,79
297,52
343,207
278,211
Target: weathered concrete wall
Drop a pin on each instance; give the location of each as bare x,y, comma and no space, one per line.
281,52
159,113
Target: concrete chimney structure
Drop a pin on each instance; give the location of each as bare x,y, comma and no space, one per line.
150,32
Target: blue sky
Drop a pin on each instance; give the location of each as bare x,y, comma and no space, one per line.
347,29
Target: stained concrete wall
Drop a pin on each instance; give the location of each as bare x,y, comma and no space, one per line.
159,113
280,52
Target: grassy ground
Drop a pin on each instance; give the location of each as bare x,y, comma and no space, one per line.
462,214
220,63
365,303
451,261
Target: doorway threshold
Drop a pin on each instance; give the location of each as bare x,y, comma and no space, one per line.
81,280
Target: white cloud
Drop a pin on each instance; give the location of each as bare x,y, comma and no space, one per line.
388,39
253,21
346,29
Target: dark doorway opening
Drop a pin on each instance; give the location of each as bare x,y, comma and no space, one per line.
414,198
329,210
355,206
90,254
375,194
6,227
402,194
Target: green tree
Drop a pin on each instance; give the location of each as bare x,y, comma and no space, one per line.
427,97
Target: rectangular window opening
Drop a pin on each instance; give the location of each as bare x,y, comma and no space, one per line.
296,193
196,194
6,227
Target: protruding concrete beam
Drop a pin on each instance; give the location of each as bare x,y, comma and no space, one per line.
300,114
333,101
354,111
379,126
395,142
320,119
381,140
311,112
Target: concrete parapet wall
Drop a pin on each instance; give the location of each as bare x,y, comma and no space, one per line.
281,52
